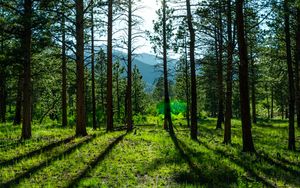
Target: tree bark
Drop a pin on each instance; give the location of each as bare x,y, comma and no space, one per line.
253,89
297,66
287,111
228,111
220,71
26,46
291,144
2,85
248,145
194,120
80,100
118,92
93,68
187,84
109,99
167,107
2,95
272,102
18,111
64,74
129,121
102,87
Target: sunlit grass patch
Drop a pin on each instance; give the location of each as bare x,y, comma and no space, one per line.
150,157
64,171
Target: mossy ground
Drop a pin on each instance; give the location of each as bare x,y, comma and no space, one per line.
148,157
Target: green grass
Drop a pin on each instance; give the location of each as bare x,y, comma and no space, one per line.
149,157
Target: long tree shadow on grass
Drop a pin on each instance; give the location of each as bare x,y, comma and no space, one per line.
34,152
11,143
281,159
242,162
269,125
222,176
57,156
96,161
280,162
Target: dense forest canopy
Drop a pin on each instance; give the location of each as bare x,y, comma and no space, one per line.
77,64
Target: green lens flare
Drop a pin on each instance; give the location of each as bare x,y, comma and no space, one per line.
177,107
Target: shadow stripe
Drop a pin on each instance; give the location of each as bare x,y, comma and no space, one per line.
96,161
37,151
45,163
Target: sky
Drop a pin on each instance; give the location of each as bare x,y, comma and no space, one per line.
148,14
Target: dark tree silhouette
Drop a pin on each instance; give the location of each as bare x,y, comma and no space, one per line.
193,72
109,97
291,145
93,67
64,71
248,145
167,107
128,99
230,47
219,48
80,100
26,46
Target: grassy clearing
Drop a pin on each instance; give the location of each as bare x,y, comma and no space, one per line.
150,157
65,172
12,147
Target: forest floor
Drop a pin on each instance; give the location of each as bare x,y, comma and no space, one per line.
148,157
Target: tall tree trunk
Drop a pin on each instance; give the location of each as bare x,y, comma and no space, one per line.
297,66
282,111
64,74
18,111
167,106
2,95
86,97
129,121
268,102
291,145
220,71
193,72
272,102
26,46
228,112
248,145
187,84
118,94
2,85
80,100
287,111
93,68
253,90
135,101
109,98
102,85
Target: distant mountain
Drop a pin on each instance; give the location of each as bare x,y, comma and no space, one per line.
151,67
153,59
148,64
149,72
148,58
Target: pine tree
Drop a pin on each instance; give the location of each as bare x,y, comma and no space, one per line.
80,100
291,145
26,46
194,120
248,145
109,97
